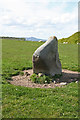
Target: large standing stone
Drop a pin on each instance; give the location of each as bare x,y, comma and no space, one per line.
46,58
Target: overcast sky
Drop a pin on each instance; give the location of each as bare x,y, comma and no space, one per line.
38,18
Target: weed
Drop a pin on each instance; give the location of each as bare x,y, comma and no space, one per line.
41,79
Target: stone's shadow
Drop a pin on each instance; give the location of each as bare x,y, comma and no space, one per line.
68,77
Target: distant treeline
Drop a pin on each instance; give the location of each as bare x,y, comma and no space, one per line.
13,38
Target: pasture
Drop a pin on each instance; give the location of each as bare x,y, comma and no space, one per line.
22,102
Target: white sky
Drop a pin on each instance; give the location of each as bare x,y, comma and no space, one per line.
38,18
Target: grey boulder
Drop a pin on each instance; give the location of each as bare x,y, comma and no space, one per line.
46,58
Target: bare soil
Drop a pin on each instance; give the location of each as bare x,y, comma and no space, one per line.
67,77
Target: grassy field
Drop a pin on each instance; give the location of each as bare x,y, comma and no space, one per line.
22,102
69,56
17,56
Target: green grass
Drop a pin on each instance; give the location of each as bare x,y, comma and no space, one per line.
17,56
22,102
68,54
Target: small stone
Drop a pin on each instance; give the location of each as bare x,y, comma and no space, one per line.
63,83
76,81
54,82
40,74
45,81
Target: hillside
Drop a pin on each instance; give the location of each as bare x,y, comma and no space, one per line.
72,39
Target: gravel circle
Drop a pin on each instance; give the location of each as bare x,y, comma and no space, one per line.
67,77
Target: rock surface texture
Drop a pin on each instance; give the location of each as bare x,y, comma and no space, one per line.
46,58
